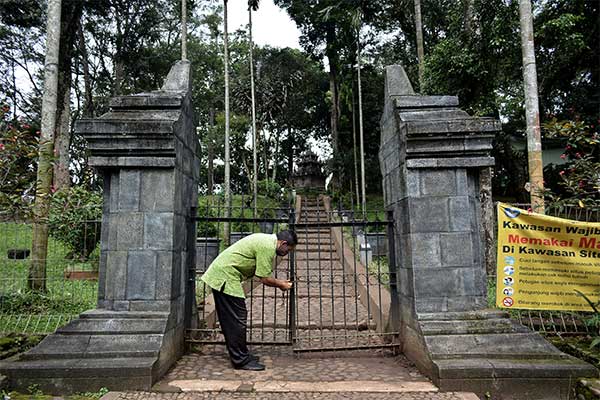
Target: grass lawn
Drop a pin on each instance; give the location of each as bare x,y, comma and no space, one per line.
24,311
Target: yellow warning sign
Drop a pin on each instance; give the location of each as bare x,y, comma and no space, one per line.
544,261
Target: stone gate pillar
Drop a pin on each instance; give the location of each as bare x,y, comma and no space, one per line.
432,154
146,149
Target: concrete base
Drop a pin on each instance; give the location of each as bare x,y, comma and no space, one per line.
116,350
487,353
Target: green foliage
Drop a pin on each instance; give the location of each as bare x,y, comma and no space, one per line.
593,320
577,181
34,302
205,228
269,189
12,344
18,160
75,220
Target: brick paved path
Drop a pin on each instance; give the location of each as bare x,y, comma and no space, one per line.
290,396
349,375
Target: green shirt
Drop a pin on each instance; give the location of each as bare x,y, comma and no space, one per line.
250,256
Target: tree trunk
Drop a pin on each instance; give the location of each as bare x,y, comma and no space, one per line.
210,151
62,143
360,131
39,248
265,154
70,21
355,162
468,17
420,47
487,217
274,176
184,30
335,101
88,107
254,152
532,112
290,158
227,155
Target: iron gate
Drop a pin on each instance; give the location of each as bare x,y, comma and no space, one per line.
343,274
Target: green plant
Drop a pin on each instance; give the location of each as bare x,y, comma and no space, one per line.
75,220
34,390
269,189
594,319
91,395
205,228
18,157
242,226
578,180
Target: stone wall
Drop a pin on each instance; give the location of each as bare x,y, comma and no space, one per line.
146,149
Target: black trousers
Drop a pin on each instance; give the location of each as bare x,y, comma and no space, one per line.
232,317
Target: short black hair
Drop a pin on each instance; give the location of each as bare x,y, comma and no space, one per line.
288,236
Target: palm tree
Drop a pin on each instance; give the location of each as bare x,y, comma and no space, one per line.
227,152
253,5
532,111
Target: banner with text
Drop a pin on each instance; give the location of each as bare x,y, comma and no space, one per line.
543,261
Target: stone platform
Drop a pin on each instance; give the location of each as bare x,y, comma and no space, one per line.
342,375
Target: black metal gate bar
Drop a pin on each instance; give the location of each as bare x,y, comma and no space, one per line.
334,267
354,316
264,327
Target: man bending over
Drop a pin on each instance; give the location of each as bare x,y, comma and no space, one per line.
250,256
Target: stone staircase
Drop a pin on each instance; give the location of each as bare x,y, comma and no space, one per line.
99,349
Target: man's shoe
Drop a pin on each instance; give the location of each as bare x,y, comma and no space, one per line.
254,358
252,366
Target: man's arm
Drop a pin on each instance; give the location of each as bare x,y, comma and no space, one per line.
278,283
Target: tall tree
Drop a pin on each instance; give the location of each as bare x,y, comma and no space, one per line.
39,251
253,5
70,21
184,56
532,112
227,151
420,47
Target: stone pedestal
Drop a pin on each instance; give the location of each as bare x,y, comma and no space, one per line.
146,150
432,154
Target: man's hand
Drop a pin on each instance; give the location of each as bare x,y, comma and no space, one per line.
280,283
285,285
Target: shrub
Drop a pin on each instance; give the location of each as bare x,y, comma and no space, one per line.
205,228
18,160
579,178
74,220
269,189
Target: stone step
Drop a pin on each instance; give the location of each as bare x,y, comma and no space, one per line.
473,326
84,375
313,293
109,314
518,368
315,241
312,248
322,255
463,315
315,326
526,345
318,266
94,346
313,209
294,389
131,326
323,238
